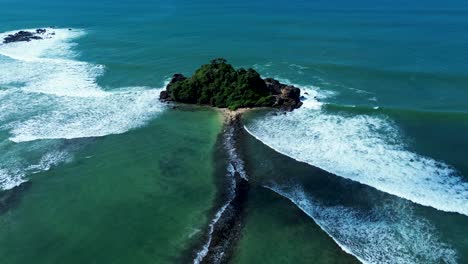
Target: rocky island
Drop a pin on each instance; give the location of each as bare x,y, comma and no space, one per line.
220,85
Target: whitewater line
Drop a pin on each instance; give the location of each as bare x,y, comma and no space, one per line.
343,247
47,93
204,251
452,209
390,233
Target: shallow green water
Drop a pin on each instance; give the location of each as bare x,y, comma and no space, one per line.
139,197
275,232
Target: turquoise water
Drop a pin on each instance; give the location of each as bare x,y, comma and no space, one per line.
381,140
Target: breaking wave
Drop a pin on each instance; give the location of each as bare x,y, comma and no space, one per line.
363,148
47,93
388,233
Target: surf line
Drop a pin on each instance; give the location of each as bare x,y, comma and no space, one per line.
225,228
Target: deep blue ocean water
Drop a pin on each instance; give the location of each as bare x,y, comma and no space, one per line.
387,102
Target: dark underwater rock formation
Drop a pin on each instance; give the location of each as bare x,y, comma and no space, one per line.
220,85
11,198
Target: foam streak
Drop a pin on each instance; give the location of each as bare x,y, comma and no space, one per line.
386,234
365,149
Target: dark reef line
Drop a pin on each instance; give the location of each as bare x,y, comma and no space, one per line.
225,227
11,198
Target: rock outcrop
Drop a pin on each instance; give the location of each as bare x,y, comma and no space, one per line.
220,85
24,36
287,97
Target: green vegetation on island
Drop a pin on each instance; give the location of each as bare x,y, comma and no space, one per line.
219,84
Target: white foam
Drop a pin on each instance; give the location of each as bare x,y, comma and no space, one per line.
51,46
236,163
57,96
365,149
46,93
385,234
16,174
48,66
50,160
77,117
11,178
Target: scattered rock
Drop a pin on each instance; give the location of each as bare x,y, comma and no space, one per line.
21,36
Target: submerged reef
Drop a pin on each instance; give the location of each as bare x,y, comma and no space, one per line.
219,84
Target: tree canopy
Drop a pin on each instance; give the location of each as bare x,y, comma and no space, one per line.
219,84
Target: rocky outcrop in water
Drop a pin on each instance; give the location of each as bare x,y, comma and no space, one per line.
226,227
25,36
220,85
164,95
287,97
227,230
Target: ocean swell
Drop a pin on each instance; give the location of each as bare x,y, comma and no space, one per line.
366,149
47,93
388,233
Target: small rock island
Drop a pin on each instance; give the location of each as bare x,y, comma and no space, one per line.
25,36
220,85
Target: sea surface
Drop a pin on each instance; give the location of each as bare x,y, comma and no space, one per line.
373,168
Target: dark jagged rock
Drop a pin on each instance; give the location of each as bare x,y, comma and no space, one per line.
287,97
22,36
219,84
11,198
228,229
41,30
178,77
165,95
274,85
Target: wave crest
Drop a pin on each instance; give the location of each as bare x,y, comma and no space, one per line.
49,94
365,149
390,233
